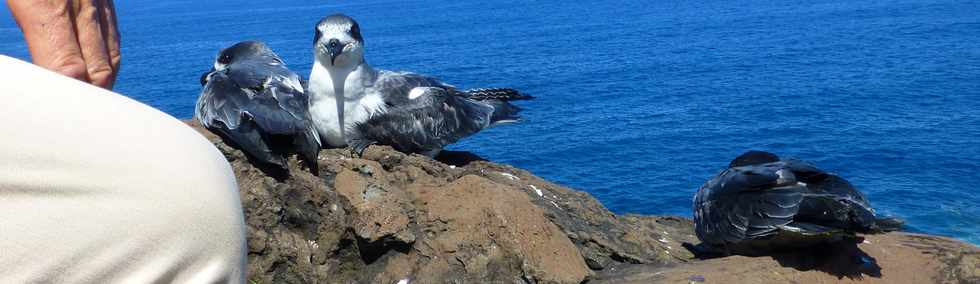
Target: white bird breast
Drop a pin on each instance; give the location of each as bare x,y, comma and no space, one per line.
359,105
324,114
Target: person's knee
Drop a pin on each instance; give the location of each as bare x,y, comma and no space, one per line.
211,211
211,191
194,196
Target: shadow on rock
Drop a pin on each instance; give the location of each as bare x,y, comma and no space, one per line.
458,158
841,259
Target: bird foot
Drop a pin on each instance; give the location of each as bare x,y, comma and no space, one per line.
354,153
357,146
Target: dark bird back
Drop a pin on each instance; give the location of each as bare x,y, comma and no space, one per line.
422,114
761,203
252,99
424,125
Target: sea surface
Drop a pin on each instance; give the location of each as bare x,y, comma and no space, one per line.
640,102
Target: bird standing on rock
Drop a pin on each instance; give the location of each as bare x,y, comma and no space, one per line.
352,104
761,204
251,98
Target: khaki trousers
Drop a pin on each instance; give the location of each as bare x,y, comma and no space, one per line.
98,188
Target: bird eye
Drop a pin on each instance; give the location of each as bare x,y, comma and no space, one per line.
224,59
354,31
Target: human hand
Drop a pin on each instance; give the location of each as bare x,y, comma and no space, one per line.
77,38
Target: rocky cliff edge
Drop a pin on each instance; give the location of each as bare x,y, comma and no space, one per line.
387,217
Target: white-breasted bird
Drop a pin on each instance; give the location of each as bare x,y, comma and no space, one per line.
352,104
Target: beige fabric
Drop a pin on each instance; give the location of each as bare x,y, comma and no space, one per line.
98,188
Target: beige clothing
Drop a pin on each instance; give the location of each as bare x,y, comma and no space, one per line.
98,188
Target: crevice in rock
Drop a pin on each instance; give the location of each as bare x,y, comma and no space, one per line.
373,251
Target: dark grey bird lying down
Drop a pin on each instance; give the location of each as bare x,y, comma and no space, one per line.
435,117
253,100
761,204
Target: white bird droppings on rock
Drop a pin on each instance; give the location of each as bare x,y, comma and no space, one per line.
663,240
403,281
510,176
536,190
866,242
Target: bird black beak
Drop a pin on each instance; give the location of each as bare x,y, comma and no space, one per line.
206,76
335,48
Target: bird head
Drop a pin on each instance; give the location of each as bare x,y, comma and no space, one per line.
246,51
337,43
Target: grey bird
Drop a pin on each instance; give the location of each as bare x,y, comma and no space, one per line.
353,104
761,204
252,99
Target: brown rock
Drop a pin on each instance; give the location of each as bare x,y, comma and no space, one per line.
603,237
894,258
387,216
379,211
493,231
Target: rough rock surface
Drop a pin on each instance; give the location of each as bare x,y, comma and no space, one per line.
889,258
387,217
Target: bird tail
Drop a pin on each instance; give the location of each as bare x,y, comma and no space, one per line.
502,94
499,98
307,146
247,138
503,112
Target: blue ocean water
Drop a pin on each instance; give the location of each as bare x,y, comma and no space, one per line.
639,102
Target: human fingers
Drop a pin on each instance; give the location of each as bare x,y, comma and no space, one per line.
50,35
110,32
88,28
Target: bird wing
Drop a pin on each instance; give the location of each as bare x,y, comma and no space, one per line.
396,87
429,120
805,171
269,94
284,106
221,103
831,200
744,203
